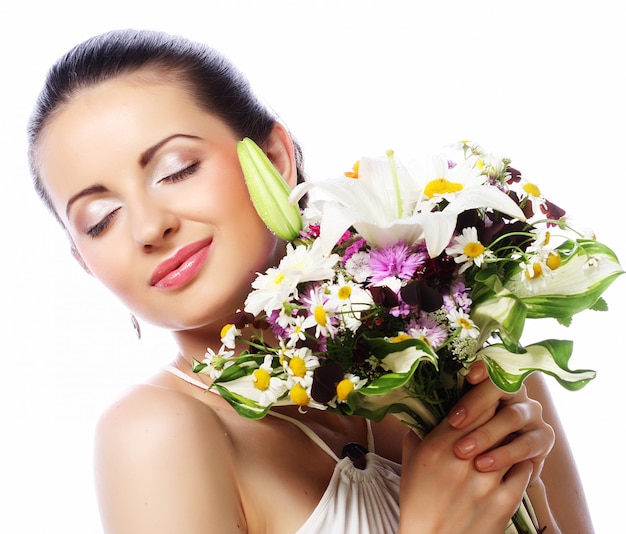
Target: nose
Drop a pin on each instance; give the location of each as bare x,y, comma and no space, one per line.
152,224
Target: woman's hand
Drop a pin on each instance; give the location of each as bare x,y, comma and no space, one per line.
470,472
440,492
513,431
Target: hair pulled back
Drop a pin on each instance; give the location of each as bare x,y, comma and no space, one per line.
215,84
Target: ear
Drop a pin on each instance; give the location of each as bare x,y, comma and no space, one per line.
76,255
280,151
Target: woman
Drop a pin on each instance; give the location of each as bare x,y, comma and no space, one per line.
133,148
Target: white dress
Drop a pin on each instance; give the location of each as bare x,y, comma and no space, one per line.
356,501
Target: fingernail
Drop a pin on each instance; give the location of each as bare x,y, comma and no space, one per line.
456,417
484,462
466,446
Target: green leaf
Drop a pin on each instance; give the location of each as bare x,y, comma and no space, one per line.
587,270
508,370
243,405
269,192
600,305
503,312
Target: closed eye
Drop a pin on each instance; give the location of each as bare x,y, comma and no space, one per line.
182,174
95,230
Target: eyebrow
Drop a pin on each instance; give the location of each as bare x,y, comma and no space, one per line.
144,159
91,190
148,154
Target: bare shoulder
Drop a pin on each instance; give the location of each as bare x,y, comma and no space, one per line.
164,463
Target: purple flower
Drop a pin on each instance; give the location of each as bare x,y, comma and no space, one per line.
394,261
428,329
458,297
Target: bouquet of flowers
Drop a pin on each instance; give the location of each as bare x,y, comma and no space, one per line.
396,279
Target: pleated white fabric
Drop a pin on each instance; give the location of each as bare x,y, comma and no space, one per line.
358,501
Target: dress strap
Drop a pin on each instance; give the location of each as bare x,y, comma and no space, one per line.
312,435
370,436
184,376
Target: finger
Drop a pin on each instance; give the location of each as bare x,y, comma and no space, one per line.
533,446
519,417
514,484
477,372
480,403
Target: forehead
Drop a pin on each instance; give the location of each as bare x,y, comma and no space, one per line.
103,129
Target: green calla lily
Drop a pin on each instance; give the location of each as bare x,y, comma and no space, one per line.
508,369
269,192
587,270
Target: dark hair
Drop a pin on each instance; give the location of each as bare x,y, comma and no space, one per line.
213,81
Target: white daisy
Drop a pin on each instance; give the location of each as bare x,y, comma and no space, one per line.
459,320
467,249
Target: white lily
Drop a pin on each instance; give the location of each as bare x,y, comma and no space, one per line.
386,205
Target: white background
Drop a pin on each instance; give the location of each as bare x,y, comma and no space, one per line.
539,81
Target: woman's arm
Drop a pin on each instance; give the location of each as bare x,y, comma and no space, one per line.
560,484
163,464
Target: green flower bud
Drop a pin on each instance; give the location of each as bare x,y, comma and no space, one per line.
269,192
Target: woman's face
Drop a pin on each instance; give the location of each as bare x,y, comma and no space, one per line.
150,189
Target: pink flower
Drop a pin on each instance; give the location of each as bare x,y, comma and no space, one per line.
394,261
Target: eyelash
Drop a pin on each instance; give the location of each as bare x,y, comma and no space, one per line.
182,174
97,229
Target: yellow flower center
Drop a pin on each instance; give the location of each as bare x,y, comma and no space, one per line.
225,329
441,186
279,278
298,395
474,249
532,189
344,388
554,260
344,293
480,164
319,314
354,173
401,337
464,323
297,366
261,379
534,271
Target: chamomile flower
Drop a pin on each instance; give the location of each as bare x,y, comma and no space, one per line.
349,384
349,299
321,313
271,289
296,330
459,320
229,334
535,272
299,365
216,362
467,250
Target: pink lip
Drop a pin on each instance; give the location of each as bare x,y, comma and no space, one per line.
178,269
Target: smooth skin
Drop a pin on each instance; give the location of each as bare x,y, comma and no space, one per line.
149,172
